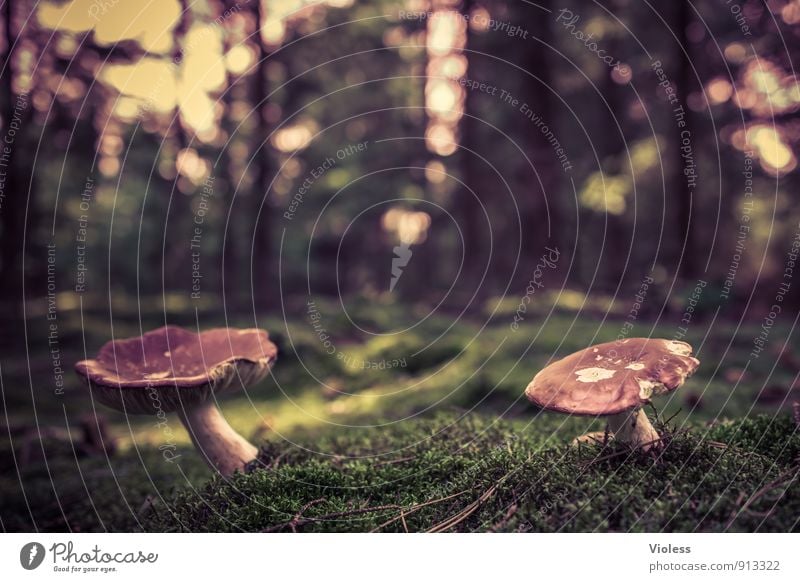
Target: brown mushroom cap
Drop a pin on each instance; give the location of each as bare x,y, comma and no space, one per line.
170,367
612,378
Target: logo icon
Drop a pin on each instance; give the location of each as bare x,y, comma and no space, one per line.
410,228
402,254
31,555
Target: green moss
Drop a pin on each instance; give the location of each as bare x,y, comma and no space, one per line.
475,474
414,459
92,494
775,437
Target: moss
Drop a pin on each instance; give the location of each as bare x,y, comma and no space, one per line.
773,436
453,472
411,461
475,474
92,494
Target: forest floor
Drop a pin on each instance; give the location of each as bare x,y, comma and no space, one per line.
444,441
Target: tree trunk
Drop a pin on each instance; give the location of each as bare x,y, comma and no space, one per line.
468,203
13,201
611,146
176,255
539,202
230,255
264,276
683,79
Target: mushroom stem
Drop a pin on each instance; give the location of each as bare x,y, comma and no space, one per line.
634,428
225,450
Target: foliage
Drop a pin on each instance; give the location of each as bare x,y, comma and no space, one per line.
479,474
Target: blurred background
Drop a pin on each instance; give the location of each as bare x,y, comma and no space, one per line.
423,201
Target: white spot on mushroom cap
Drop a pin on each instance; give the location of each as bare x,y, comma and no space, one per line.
594,374
635,366
679,348
157,375
647,388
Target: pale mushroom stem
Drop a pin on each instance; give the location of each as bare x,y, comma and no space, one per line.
225,450
633,427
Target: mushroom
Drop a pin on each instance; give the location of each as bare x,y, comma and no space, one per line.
171,369
615,379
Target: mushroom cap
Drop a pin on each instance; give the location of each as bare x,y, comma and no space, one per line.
171,368
613,377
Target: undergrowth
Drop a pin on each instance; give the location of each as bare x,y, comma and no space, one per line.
481,475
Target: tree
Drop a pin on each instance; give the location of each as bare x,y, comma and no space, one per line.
686,213
14,189
262,264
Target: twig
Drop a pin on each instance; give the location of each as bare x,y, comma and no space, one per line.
666,422
465,513
298,516
777,483
409,510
